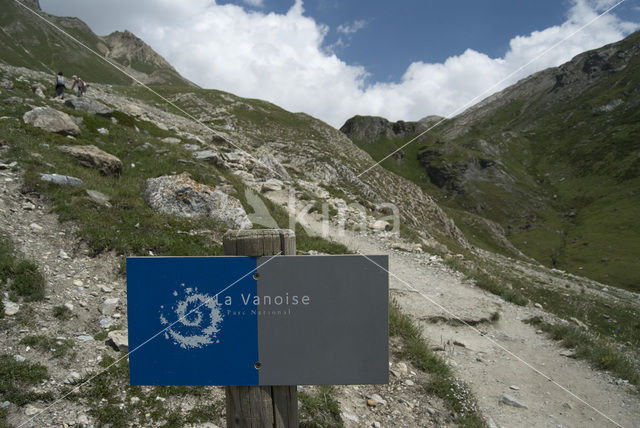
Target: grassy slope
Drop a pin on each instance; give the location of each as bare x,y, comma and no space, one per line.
28,41
588,159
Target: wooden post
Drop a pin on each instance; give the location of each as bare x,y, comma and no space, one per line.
261,406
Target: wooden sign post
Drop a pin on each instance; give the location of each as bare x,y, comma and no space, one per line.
261,406
259,321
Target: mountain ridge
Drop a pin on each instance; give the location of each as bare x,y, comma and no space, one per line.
540,158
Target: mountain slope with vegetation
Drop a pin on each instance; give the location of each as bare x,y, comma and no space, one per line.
552,163
28,41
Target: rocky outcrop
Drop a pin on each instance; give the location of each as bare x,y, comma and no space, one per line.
182,196
370,128
93,157
51,120
89,106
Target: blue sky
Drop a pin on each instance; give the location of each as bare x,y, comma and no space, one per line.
335,59
391,35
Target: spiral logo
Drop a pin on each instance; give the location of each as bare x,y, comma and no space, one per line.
193,321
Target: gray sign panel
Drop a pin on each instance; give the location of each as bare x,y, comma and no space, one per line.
323,320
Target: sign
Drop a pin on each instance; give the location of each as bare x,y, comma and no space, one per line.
282,320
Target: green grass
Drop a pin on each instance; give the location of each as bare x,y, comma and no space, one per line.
442,383
16,381
62,313
22,276
600,352
319,408
58,348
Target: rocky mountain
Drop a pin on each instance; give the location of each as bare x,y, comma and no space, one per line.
29,41
552,163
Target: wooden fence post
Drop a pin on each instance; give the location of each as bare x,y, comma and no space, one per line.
261,406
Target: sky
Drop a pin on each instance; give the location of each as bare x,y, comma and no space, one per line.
333,59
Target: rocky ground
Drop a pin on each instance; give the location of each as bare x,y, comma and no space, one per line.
93,288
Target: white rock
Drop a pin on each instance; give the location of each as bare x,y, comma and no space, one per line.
10,308
28,206
350,417
63,255
31,410
402,368
35,227
78,282
514,387
379,225
171,140
19,358
409,382
69,305
103,131
109,306
378,399
272,185
82,420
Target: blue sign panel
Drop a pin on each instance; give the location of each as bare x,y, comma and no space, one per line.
281,320
192,320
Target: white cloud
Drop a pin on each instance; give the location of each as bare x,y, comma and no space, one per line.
352,28
254,3
281,58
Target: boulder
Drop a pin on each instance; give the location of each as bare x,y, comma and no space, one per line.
93,157
211,156
271,185
119,339
380,225
89,106
51,120
61,179
99,198
269,166
184,197
132,110
39,92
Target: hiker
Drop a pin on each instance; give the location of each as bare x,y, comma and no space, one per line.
60,86
82,87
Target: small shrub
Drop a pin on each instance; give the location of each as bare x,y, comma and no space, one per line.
28,282
62,313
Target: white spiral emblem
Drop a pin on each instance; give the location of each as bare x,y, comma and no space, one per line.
193,321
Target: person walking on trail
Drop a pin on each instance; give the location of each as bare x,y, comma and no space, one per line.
82,87
60,86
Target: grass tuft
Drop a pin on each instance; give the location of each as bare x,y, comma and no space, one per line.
443,383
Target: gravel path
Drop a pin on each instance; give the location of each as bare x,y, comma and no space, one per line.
507,357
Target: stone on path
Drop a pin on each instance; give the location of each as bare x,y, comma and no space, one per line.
511,401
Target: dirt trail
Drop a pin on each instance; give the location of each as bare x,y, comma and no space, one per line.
484,355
